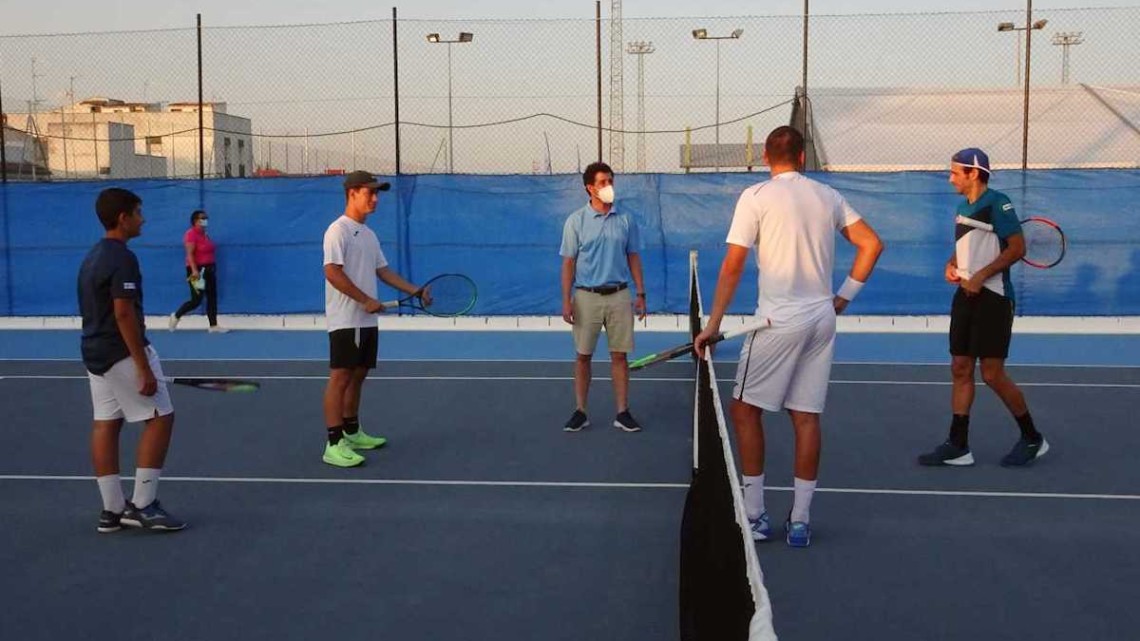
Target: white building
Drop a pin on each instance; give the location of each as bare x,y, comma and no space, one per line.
104,137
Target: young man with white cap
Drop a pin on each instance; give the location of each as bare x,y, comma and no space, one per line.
981,314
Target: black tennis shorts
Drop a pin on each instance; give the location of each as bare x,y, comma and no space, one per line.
981,326
353,347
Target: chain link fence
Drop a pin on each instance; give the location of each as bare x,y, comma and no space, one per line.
884,92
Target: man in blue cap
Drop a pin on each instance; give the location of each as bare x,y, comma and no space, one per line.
981,315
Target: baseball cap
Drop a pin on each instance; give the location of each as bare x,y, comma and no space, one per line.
972,157
364,179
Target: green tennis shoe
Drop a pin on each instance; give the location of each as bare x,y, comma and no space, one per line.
363,441
342,455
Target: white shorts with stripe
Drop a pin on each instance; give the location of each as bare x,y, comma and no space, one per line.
787,367
115,393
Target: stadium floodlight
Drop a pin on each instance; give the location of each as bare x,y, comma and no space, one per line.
434,38
1009,26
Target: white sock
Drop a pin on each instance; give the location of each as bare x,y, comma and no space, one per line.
146,486
801,508
754,496
111,489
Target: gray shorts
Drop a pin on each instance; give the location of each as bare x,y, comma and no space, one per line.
592,312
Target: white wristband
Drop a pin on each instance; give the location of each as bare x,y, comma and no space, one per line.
850,289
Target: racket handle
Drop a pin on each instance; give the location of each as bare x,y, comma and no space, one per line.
977,224
389,304
763,323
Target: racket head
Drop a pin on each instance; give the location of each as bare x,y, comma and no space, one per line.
1045,243
450,295
231,385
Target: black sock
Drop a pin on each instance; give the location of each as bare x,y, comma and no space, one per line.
1028,431
960,431
351,424
335,434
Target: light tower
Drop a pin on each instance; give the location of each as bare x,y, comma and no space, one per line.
640,49
1065,40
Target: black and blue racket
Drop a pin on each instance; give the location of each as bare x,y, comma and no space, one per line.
446,295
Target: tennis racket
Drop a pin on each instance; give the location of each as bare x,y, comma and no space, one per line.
687,348
446,295
216,384
1044,240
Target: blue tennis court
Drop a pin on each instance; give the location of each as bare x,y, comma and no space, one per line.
482,519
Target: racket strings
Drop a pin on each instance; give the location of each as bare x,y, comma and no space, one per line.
450,295
1044,243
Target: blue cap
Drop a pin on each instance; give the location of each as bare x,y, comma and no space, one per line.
972,157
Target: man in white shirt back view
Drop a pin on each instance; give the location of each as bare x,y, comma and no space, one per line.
791,221
353,261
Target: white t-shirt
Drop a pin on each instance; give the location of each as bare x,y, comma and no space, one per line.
791,220
356,248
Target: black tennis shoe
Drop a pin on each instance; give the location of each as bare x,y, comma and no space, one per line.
577,421
1024,452
947,454
626,422
110,522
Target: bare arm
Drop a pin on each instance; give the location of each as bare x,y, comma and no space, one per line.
638,282
392,279
636,272
190,257
128,324
868,248
569,265
336,277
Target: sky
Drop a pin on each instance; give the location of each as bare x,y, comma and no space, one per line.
68,16
515,112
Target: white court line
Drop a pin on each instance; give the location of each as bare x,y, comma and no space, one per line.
945,364
588,485
65,377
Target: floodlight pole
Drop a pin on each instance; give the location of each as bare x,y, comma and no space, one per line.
702,34
434,38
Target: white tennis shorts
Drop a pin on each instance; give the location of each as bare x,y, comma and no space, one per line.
115,393
787,367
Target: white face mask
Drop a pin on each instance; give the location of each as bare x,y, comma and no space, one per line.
204,223
606,194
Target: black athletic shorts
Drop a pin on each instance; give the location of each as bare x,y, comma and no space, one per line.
981,326
353,347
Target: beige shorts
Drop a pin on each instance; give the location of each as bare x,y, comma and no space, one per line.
593,311
787,367
115,393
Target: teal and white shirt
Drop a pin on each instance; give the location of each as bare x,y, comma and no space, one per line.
975,248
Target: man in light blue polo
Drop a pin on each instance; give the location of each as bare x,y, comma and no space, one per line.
600,257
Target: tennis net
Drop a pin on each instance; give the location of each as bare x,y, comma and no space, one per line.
722,593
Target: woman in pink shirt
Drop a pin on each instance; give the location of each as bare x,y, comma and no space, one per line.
200,268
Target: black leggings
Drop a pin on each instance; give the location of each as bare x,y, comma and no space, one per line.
211,295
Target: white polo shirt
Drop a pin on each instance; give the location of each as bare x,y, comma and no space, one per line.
356,248
791,221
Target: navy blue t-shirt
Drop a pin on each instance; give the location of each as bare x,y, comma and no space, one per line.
109,271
